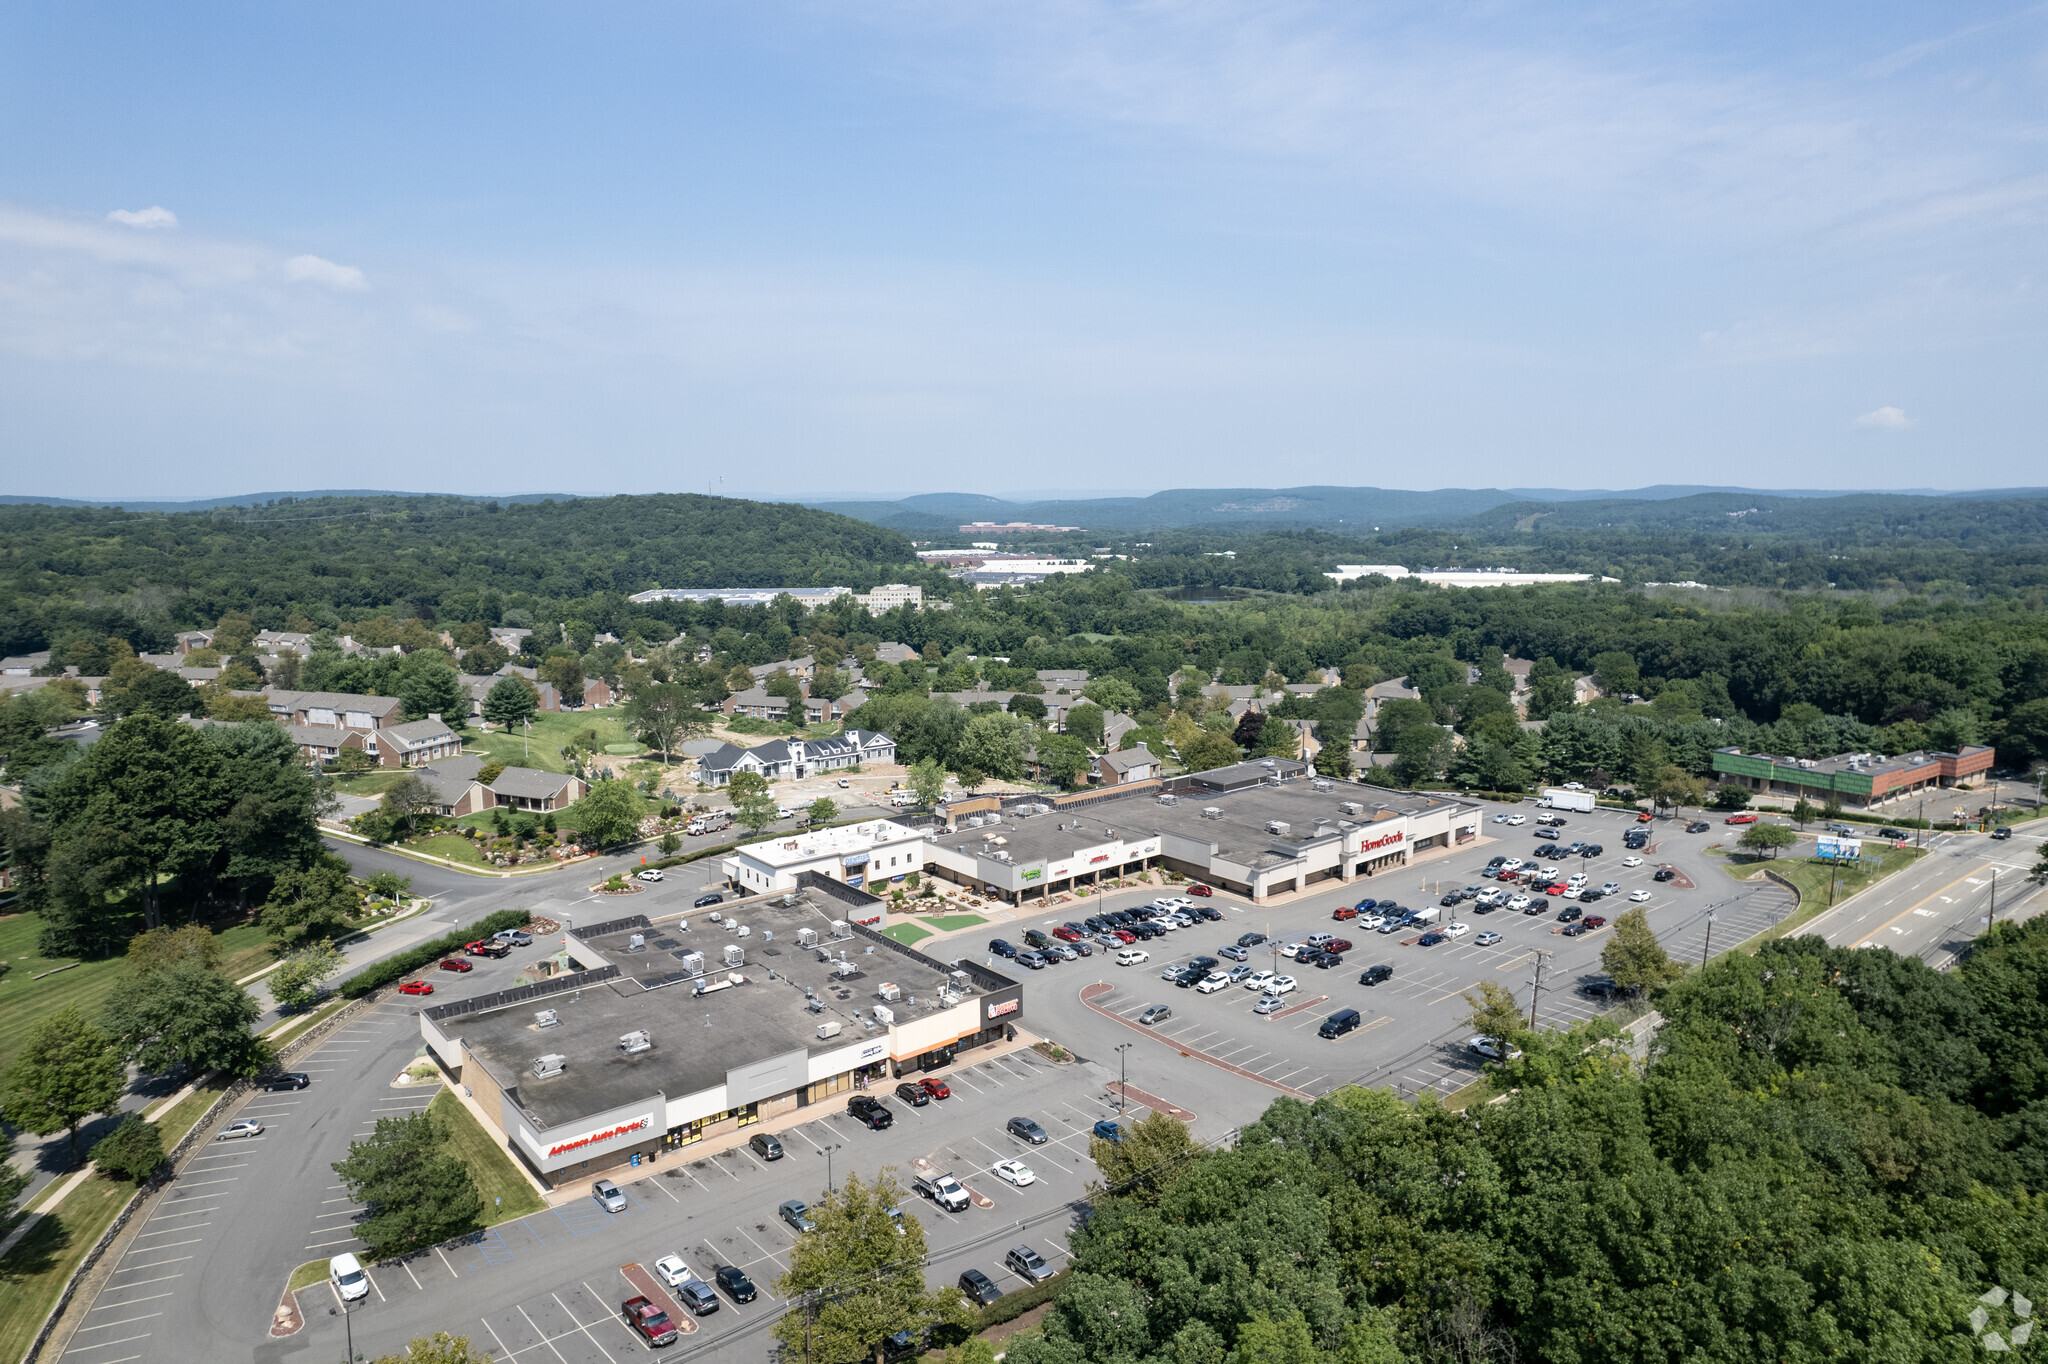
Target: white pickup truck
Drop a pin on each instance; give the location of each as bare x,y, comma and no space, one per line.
943,1190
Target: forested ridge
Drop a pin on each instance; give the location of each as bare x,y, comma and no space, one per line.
329,559
1831,1154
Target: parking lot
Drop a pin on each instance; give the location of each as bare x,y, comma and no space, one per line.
1412,1035
548,1287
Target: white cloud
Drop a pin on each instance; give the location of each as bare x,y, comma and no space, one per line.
1886,419
156,215
319,270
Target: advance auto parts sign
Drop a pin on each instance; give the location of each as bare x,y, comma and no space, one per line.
600,1137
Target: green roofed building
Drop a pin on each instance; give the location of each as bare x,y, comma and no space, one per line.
1859,779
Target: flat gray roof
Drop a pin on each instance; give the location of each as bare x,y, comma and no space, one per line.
697,1039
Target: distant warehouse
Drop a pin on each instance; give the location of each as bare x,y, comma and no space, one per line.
1258,829
1863,779
658,1033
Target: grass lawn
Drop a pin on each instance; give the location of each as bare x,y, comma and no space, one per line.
547,736
306,1275
368,783
175,1124
1811,876
946,923
24,1002
34,1272
243,948
495,1176
454,847
907,934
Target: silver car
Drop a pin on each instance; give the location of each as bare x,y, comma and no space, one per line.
245,1127
608,1196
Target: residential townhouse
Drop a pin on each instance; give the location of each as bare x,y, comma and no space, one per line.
458,792
784,758
819,711
1125,766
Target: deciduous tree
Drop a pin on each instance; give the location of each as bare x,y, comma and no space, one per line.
69,1071
310,904
857,1278
132,1151
185,1017
416,1189
928,780
610,815
1633,957
1494,1012
664,714
511,701
1155,1151
1766,837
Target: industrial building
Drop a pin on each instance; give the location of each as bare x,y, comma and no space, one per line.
1257,829
652,1033
1860,779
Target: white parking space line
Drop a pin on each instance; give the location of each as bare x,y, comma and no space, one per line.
130,1303
124,1321
108,1345
317,1245
758,1246
139,1283
509,1354
202,1183
171,1245
580,1325
175,1259
659,1184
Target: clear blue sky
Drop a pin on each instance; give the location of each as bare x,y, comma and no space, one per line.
1053,244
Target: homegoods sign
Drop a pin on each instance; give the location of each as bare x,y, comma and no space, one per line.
1392,840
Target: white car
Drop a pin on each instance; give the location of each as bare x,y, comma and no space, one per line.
1611,888
1258,980
1549,873
246,1127
1014,1172
1490,1048
1631,861
1574,786
1279,985
673,1271
1292,950
345,1272
1518,819
844,783
1178,902
651,874
1457,930
1318,939
1638,897
1513,864
1487,939
1132,956
1519,903
1162,922
1211,983
1575,880
1371,920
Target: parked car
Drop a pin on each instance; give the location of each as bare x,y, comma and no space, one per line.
457,964
1486,939
1027,1264
1570,913
1250,939
1489,1047
488,947
1233,951
735,1282
792,1212
1664,874
415,987
1236,974
1269,1004
1211,983
651,874
936,1087
608,1196
1373,975
290,1079
1457,930
979,1288
1740,819
345,1272
1132,956
1430,939
1280,985
870,1111
1258,980
1108,1130
1157,1013
244,1127
1344,912
765,1146
1197,888
519,937
1593,921
1698,826
1014,1172
1338,1023
671,1270
913,1094
1028,1130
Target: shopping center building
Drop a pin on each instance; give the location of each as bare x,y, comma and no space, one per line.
1856,779
1257,829
654,1032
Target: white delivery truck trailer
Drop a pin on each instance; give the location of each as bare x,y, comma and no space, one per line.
1557,798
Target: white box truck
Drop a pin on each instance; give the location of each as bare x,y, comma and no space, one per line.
1557,798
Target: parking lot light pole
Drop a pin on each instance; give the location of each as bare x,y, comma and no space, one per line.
1122,1097
826,1151
1709,946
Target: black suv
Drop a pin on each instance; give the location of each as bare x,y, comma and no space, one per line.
1034,938
1373,975
869,1111
980,1289
914,1095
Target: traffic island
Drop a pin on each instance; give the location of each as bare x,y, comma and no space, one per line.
290,1319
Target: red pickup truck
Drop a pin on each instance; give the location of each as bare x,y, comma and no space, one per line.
650,1321
487,947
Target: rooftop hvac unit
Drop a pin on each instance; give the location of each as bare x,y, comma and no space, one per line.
1322,783
812,1004
636,1041
547,1018
731,924
789,900
1351,807
974,821
884,1014
746,932
637,943
890,991
843,967
830,1029
840,930
1269,764
807,937
995,818
1212,812
1278,827
714,917
693,962
735,955
1169,800
551,1064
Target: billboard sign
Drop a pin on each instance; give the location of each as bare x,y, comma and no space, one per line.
1834,848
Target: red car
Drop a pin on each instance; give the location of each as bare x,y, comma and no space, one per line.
1344,912
650,1321
415,987
1740,819
1065,934
456,964
938,1089
1643,818
1337,945
1197,888
1593,921
1556,888
1124,935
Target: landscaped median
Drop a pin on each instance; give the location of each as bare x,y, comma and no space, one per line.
1809,878
383,972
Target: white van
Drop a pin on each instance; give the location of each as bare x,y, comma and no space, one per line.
345,1272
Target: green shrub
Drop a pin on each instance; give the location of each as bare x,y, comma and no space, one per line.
391,968
1011,1306
132,1151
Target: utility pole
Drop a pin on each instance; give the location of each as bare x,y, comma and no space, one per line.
1709,947
1542,956
1991,915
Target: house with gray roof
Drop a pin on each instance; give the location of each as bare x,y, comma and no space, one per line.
895,653
458,792
1063,679
758,704
415,743
1125,766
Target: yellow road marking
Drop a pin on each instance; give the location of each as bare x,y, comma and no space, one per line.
1910,908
